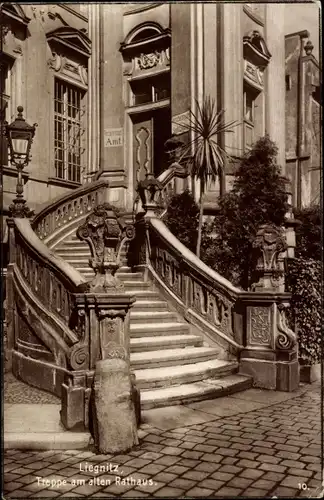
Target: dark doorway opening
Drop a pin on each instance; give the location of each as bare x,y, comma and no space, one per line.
161,133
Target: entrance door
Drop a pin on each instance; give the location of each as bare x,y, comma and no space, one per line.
150,131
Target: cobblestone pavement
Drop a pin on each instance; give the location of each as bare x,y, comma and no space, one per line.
15,391
272,451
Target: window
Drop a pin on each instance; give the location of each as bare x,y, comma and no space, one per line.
248,106
249,96
68,131
151,89
5,108
288,82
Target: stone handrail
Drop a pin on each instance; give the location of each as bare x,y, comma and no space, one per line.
51,279
66,211
205,298
170,179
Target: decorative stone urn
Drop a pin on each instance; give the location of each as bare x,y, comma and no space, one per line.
173,148
149,191
102,353
106,233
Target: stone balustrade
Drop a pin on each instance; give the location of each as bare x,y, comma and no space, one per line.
41,342
207,298
67,210
251,325
174,180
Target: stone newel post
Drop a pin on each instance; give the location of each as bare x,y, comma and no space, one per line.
270,353
103,309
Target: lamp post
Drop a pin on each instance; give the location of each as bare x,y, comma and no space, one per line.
20,137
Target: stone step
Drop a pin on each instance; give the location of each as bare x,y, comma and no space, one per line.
183,374
151,329
155,305
152,316
172,357
133,287
86,271
193,392
72,238
66,251
145,294
164,342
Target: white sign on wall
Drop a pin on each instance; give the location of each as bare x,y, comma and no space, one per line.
113,137
180,123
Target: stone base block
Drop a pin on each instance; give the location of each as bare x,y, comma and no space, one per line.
136,397
73,408
273,375
310,373
287,376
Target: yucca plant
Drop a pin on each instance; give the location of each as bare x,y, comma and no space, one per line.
206,156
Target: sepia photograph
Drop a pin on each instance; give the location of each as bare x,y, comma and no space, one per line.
161,250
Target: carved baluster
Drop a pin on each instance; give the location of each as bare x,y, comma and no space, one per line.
69,211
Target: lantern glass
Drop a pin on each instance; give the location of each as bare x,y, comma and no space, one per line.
20,147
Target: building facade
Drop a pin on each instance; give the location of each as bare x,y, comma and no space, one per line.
303,120
108,84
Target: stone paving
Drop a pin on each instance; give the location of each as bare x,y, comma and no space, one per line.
16,392
271,451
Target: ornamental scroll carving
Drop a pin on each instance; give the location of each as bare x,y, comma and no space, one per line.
260,327
67,67
106,233
286,339
146,61
253,72
268,249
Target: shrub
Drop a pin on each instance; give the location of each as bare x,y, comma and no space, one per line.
182,218
304,283
308,233
258,197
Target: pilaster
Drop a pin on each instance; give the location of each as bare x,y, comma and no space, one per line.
94,132
275,78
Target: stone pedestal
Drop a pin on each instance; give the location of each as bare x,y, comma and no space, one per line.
114,420
270,355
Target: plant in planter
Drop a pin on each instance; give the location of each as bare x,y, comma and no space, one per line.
304,283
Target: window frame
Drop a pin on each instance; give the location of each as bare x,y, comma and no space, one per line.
247,123
152,81
72,170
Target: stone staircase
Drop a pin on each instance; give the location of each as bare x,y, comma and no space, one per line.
172,365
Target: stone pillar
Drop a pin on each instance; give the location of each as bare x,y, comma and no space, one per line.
270,355
102,312
275,78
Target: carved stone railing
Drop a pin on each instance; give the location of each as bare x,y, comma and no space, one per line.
204,297
174,180
65,212
43,343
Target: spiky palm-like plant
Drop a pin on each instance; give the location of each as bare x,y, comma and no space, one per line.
206,155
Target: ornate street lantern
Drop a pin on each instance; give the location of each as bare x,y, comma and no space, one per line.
20,137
